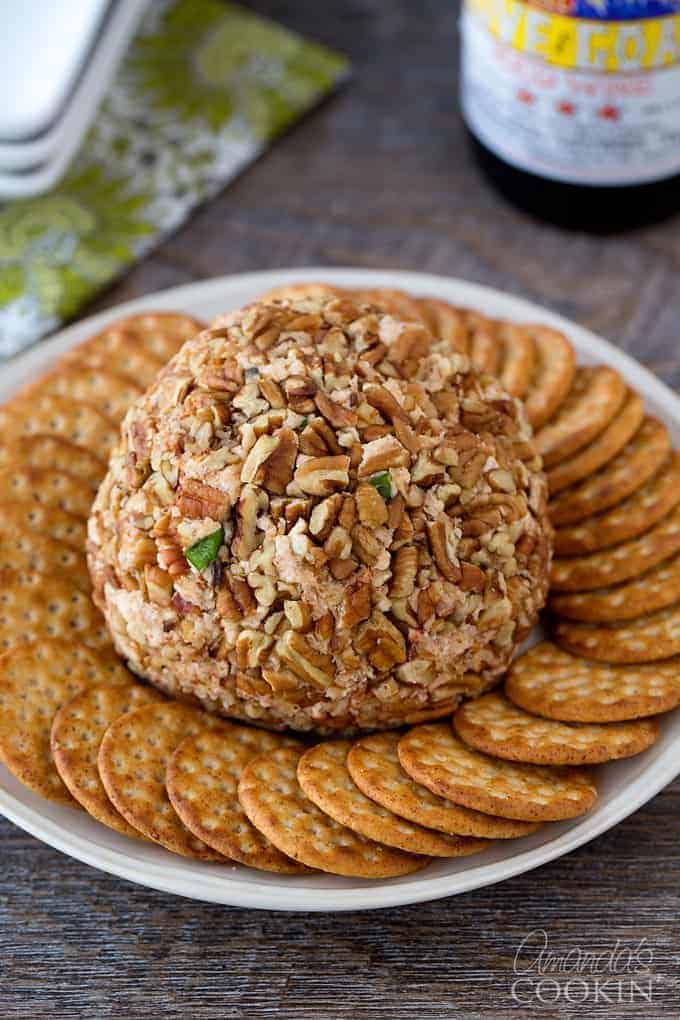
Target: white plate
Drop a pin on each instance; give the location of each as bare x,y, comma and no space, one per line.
624,786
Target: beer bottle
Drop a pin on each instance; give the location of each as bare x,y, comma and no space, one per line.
574,106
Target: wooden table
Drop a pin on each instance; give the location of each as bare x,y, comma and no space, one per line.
380,177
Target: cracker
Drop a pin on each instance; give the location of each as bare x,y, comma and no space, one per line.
611,566
374,766
445,322
658,588
76,733
158,335
394,302
109,391
202,782
596,395
44,520
601,450
496,726
35,681
640,458
635,515
434,756
518,358
274,802
646,639
45,451
485,346
300,291
21,484
324,777
35,607
554,367
133,755
81,424
22,548
116,350
548,681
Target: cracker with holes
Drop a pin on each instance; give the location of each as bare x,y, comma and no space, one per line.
484,344
275,803
434,756
624,561
111,392
62,417
549,681
496,726
374,766
635,515
132,759
640,458
602,449
518,357
596,395
24,549
656,589
324,777
35,680
49,521
157,335
552,376
45,451
47,486
202,782
646,639
446,322
36,606
76,733
116,350
395,302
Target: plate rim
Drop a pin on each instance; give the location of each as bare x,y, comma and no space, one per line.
196,881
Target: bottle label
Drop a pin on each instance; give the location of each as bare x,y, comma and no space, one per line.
582,91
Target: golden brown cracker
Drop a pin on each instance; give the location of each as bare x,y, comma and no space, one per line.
62,417
640,458
325,779
35,607
631,518
202,782
495,725
76,733
22,548
554,367
110,392
646,639
596,395
45,451
434,756
301,291
551,682
49,487
395,302
133,755
116,350
518,358
622,562
35,681
273,800
44,520
600,451
656,589
445,322
485,345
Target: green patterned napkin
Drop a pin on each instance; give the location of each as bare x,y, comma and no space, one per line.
204,89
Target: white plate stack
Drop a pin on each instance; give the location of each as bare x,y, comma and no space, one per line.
56,62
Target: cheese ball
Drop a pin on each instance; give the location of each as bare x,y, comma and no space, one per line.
321,517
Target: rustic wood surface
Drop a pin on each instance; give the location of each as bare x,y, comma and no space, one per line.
379,177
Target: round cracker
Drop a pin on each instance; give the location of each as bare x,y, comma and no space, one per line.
640,458
202,782
44,413
622,562
496,726
35,681
22,548
45,451
374,766
133,755
548,681
395,302
445,322
116,350
647,639
158,335
23,484
596,395
324,777
635,515
485,346
434,756
554,367
605,446
44,520
111,392
301,291
658,588
518,358
35,607
76,733
273,800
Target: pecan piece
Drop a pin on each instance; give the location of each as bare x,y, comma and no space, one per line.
321,476
324,516
300,391
246,539
171,555
370,506
404,570
196,500
383,401
381,454
271,460
356,605
443,546
314,667
338,416
318,439
381,642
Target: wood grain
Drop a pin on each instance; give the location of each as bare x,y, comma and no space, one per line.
380,177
